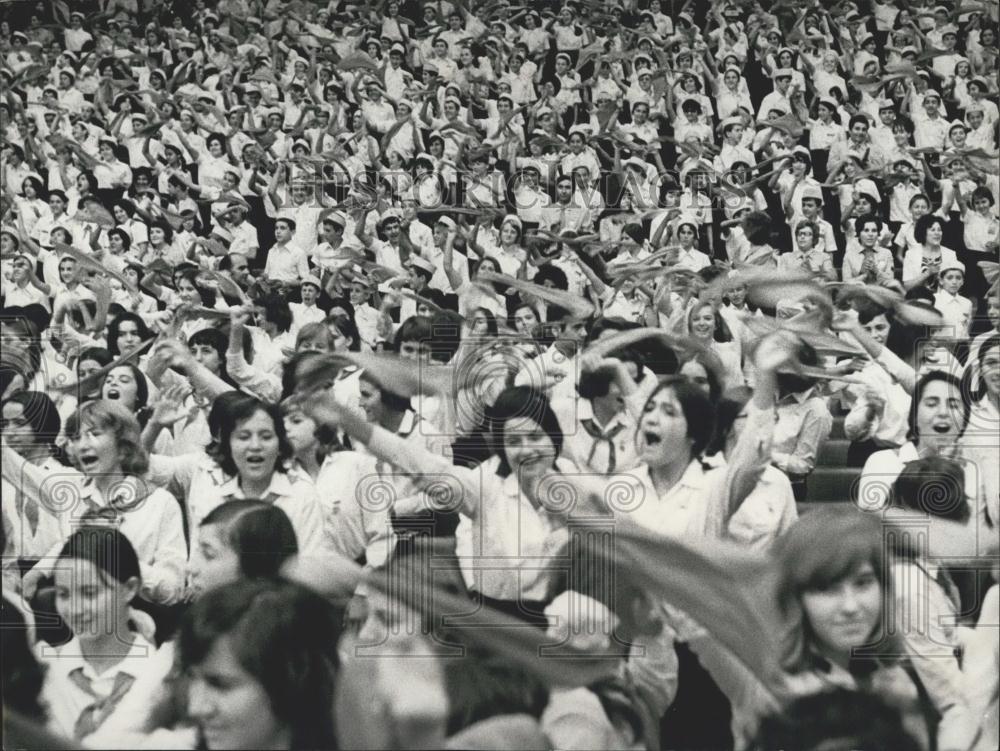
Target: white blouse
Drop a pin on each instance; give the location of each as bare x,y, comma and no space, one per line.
205,486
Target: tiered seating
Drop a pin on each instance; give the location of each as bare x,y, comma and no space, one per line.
833,480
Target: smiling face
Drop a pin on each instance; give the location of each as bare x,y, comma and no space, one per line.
527,448
254,447
868,235
878,329
703,322
939,415
935,233
188,292
230,706
990,371
89,600
844,615
663,430
67,270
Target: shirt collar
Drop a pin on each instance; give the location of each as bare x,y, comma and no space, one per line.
281,485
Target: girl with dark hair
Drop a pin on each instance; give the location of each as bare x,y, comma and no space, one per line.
126,332
98,576
91,360
261,660
241,539
937,420
835,595
30,425
128,386
769,510
803,424
124,213
251,459
506,491
104,446
921,265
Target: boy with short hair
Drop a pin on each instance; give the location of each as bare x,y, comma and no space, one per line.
955,309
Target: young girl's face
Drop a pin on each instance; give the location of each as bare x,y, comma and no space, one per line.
301,430
188,292
918,208
89,600
215,563
951,281
67,270
845,614
982,205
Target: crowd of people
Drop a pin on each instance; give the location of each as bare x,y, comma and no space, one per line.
455,374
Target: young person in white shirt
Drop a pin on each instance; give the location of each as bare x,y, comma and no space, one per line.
955,309
307,311
286,263
97,576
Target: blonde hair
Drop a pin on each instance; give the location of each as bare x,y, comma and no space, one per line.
123,425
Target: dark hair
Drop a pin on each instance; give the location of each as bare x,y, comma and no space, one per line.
98,354
918,395
727,409
389,399
525,402
839,718
191,275
861,221
239,410
347,327
855,119
105,547
258,532
697,409
554,274
41,414
23,676
126,239
481,685
820,549
113,332
923,224
713,372
141,388
934,485
791,383
983,192
413,329
595,383
283,635
491,320
276,310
